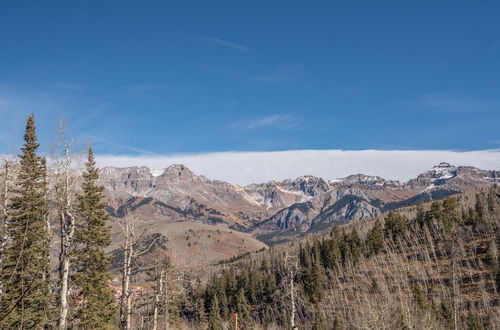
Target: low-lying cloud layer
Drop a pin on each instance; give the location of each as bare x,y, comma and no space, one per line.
253,167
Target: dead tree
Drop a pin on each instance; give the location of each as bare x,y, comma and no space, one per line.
8,171
289,270
132,236
160,275
65,168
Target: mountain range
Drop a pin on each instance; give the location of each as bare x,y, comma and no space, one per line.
275,211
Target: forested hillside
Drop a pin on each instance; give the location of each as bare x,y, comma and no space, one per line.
436,270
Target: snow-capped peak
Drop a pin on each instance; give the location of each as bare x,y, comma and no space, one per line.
443,171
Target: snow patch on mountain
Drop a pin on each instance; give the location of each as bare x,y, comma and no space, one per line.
156,173
300,193
443,171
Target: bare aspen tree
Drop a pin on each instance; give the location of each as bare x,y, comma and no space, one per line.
65,168
132,236
289,271
128,230
161,275
160,280
455,277
8,170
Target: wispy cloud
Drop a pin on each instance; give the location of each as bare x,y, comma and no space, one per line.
250,167
281,121
452,103
228,44
120,146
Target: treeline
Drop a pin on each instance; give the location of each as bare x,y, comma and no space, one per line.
438,269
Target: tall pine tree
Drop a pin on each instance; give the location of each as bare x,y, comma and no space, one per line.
26,301
96,304
375,238
214,319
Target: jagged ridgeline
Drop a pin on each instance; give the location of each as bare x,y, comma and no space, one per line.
275,212
434,266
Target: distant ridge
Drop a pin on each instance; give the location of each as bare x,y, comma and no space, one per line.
294,205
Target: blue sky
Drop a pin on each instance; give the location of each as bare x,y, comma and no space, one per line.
163,77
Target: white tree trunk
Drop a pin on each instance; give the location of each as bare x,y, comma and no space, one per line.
126,298
163,280
292,302
65,264
291,268
3,219
129,226
158,294
65,196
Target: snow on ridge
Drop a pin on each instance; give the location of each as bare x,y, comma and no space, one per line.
443,171
156,173
300,193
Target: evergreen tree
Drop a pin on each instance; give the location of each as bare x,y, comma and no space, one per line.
450,216
270,286
319,321
395,225
327,258
313,280
214,319
355,245
435,214
243,310
375,238
474,322
420,217
96,304
480,208
419,295
174,312
492,198
492,257
344,247
199,312
267,317
26,301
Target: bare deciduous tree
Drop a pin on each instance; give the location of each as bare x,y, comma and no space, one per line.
133,234
65,167
161,274
7,174
289,291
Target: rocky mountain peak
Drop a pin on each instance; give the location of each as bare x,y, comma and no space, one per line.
310,185
124,173
178,171
443,171
362,178
443,165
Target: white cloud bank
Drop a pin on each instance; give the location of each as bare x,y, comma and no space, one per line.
252,167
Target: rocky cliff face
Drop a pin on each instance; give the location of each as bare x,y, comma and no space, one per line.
304,204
